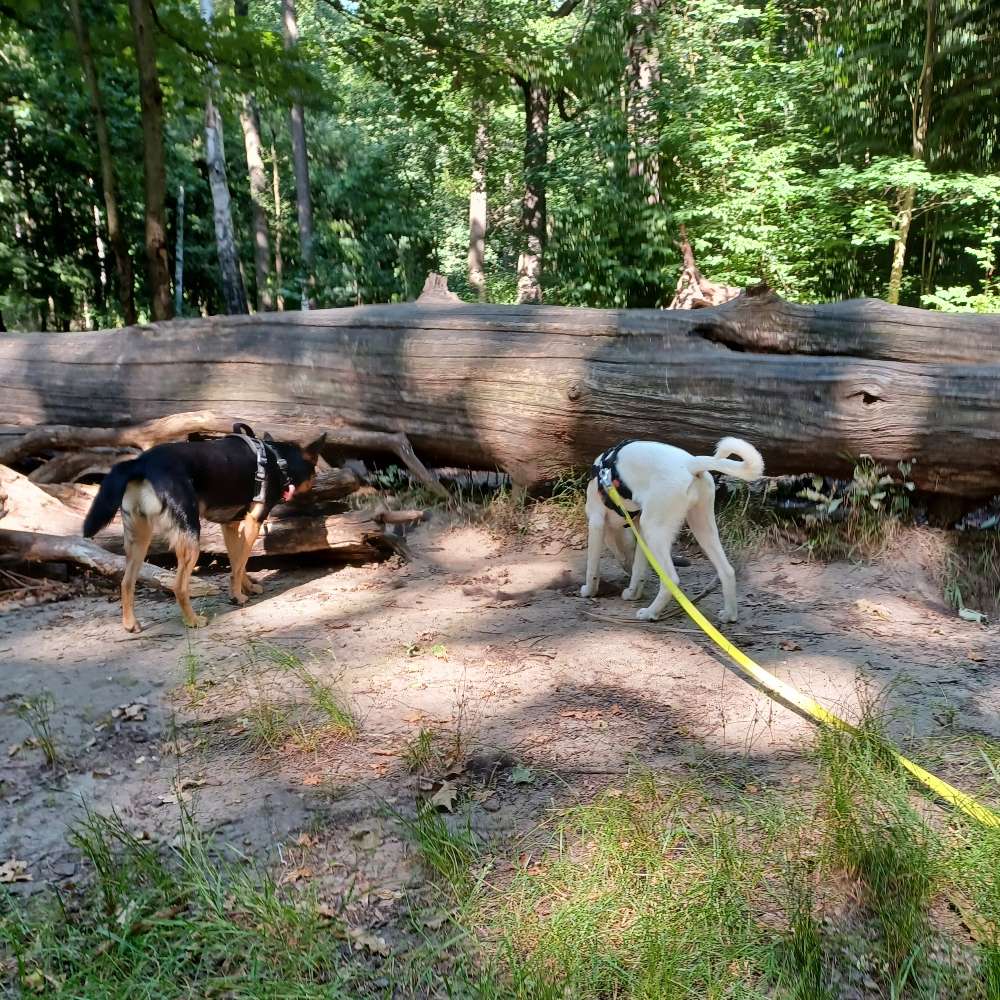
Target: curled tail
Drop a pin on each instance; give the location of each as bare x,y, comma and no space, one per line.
749,467
109,497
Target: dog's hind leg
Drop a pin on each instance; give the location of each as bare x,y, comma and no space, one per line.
634,589
138,532
701,521
661,522
186,549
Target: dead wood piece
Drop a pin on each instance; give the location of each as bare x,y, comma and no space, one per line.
436,290
35,546
694,290
141,436
74,465
30,508
397,444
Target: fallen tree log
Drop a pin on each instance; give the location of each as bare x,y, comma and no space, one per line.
34,546
538,390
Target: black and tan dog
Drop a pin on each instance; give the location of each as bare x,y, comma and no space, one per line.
234,481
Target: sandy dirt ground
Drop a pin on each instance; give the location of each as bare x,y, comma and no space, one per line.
537,698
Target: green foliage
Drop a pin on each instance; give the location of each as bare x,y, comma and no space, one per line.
782,134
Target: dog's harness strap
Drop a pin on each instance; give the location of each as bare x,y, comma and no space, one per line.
260,473
262,450
605,471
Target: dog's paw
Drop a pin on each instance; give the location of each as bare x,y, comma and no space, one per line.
585,591
727,617
198,621
252,586
238,599
134,627
631,593
646,615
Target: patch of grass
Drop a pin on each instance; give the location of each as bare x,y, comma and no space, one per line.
744,519
449,852
422,754
36,714
970,572
639,899
876,834
178,925
335,716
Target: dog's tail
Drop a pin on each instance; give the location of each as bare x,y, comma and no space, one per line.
749,467
109,496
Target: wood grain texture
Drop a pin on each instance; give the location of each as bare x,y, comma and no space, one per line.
536,390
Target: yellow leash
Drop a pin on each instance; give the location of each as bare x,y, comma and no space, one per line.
775,686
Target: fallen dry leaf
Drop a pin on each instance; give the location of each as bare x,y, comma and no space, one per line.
14,749
14,871
294,875
370,942
444,797
312,779
790,645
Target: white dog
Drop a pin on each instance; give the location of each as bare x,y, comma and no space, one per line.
668,486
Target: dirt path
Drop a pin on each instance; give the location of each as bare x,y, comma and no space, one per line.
480,641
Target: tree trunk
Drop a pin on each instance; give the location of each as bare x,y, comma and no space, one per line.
921,123
233,293
477,205
533,220
179,255
154,163
279,263
116,235
250,121
643,78
542,390
300,158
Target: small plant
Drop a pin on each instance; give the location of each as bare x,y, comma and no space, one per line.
861,517
36,713
422,754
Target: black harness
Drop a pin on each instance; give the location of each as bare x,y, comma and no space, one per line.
262,450
605,470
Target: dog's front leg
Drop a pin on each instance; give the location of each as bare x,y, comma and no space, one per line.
595,544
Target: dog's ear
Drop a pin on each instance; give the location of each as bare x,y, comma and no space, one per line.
312,451
267,437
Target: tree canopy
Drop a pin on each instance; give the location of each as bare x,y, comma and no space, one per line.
808,147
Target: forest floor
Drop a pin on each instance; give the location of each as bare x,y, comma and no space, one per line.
454,776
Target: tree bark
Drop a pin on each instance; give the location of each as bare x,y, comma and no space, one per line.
116,235
921,123
538,391
533,216
154,163
300,159
643,78
477,205
250,121
233,293
279,263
